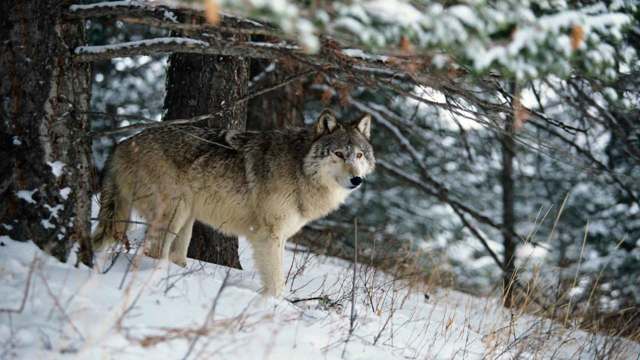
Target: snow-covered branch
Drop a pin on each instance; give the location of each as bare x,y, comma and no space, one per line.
181,45
515,39
166,17
330,59
121,8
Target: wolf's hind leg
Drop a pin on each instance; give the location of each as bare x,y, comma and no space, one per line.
268,254
169,223
113,224
180,245
121,219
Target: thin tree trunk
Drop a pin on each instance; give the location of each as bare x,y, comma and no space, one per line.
508,211
203,84
44,151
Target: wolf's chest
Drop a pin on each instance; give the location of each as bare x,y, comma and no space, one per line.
291,223
315,205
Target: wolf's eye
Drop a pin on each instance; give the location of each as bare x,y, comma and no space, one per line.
359,155
339,154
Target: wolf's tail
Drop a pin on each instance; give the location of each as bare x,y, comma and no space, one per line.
104,234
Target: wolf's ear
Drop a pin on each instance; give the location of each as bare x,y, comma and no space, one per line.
364,126
326,123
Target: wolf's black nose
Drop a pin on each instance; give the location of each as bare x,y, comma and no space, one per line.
356,180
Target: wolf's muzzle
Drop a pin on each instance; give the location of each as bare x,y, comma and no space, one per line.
356,181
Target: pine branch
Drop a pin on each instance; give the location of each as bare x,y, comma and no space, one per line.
165,17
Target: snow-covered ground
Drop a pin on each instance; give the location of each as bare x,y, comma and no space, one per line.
154,310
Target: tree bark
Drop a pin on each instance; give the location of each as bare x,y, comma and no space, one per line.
279,108
508,210
44,150
203,84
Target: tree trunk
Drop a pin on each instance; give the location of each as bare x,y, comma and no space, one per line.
204,84
508,211
44,151
279,108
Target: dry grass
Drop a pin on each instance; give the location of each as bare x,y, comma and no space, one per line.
544,316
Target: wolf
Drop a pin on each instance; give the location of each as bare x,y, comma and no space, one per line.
263,185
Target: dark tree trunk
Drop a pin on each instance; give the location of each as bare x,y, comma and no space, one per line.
508,211
204,84
280,108
43,125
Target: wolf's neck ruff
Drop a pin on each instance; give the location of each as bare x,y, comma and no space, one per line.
261,185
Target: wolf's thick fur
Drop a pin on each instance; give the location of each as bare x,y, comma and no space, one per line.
261,185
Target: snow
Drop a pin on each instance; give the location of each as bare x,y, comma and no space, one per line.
97,49
393,11
105,4
64,192
284,14
56,167
26,195
448,119
47,224
54,209
168,15
358,53
143,308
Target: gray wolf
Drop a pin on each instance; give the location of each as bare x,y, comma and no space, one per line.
264,185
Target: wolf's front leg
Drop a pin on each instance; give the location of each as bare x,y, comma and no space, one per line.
180,245
268,254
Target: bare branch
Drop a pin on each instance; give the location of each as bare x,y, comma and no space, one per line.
209,316
25,294
430,186
203,117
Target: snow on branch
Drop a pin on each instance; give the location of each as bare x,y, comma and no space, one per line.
120,8
513,38
166,17
180,45
330,59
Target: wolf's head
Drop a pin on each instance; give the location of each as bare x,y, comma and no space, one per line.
340,154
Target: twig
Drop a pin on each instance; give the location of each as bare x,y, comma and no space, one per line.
384,326
209,316
203,117
352,317
25,293
57,304
295,301
129,265
180,276
114,259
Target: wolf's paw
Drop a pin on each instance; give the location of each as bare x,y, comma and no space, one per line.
182,262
